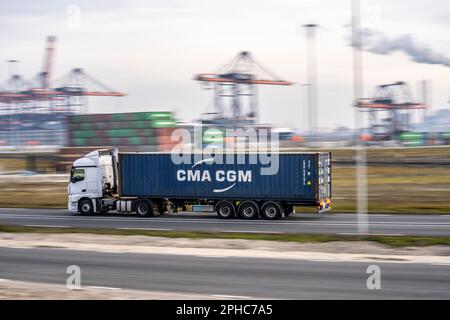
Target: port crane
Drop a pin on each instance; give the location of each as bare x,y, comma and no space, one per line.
235,80
19,95
390,110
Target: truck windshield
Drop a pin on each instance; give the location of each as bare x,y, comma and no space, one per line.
77,174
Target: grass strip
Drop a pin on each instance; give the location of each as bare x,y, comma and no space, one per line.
393,241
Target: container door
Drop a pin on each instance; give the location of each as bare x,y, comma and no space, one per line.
324,174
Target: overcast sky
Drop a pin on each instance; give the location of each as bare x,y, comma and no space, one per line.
152,49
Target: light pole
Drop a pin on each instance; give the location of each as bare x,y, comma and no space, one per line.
358,91
11,64
312,76
10,109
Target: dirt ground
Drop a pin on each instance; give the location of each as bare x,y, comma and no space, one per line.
19,290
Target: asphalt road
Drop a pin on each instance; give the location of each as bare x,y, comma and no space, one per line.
342,224
227,276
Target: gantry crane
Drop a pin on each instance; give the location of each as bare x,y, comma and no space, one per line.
390,110
236,79
20,95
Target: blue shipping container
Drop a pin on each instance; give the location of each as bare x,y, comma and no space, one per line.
300,178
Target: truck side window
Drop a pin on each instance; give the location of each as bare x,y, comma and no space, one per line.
77,175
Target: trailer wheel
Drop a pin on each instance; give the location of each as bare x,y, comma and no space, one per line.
144,209
248,210
225,210
288,210
85,207
271,211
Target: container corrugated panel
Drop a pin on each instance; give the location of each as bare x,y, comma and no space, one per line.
134,141
155,175
89,126
121,117
124,133
165,123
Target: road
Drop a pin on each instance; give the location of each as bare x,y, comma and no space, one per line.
341,224
227,276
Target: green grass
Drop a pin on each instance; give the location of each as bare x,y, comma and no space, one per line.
395,189
397,241
19,164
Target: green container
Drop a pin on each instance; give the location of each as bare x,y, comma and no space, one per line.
136,141
156,116
213,135
85,126
128,133
164,123
83,134
121,133
130,125
78,142
411,136
417,143
121,117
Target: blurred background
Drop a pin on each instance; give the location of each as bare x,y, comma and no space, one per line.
81,75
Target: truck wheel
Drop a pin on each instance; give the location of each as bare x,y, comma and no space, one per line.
248,210
85,207
288,210
144,209
225,210
271,211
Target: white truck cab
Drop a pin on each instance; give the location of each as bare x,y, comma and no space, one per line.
91,179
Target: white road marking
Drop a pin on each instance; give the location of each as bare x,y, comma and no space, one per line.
147,229
203,221
229,297
102,288
251,231
371,234
46,226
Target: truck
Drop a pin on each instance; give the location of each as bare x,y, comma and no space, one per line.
234,185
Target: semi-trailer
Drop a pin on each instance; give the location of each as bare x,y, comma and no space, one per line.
239,185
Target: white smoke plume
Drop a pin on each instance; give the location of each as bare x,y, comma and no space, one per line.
379,43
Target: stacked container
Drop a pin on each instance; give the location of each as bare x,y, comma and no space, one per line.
139,131
33,129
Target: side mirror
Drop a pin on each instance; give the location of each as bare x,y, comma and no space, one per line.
75,179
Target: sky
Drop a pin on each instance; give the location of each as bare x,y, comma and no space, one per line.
152,49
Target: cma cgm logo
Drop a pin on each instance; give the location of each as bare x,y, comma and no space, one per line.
199,175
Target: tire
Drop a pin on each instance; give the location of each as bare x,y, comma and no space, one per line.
161,209
164,208
85,207
144,209
288,210
248,210
225,210
271,211
103,211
